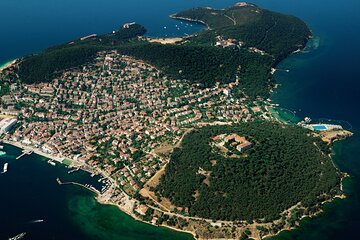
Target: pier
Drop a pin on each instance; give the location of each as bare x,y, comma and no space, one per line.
87,186
24,152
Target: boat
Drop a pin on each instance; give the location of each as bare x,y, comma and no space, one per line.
5,168
18,237
73,170
2,153
52,163
37,221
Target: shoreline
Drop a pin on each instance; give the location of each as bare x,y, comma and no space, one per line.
35,150
140,220
173,16
109,202
97,196
7,64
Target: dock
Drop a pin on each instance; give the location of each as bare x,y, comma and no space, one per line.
87,186
24,152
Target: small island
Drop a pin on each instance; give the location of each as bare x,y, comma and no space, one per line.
181,129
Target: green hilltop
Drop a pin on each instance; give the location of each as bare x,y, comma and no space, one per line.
197,59
276,34
283,167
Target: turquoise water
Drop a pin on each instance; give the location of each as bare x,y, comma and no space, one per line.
29,192
323,83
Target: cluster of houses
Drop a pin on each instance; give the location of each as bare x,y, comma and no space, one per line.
113,112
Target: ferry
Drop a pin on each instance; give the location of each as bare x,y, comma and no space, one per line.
5,168
18,237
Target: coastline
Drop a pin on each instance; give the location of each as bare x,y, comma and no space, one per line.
173,16
101,201
107,200
7,64
100,198
35,150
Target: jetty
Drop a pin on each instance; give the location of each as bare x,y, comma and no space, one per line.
24,152
87,186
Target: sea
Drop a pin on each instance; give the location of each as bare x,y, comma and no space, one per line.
323,83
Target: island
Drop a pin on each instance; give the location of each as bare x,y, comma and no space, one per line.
181,129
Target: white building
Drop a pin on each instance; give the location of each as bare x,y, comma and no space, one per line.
6,124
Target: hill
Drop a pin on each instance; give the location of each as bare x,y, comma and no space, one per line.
197,59
276,34
284,166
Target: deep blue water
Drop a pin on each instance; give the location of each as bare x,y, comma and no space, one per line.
29,192
323,83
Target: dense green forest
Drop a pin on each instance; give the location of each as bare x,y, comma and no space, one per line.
275,33
197,60
282,168
41,67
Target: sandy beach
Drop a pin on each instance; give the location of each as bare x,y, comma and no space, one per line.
7,64
165,40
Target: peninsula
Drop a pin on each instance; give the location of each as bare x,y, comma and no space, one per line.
180,128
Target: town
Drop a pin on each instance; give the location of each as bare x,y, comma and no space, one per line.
111,114
110,117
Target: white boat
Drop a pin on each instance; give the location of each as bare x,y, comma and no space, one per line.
52,163
18,237
5,167
37,221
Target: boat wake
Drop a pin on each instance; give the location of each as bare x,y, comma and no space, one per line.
36,221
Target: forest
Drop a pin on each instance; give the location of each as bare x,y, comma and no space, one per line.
282,168
275,33
43,66
197,60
